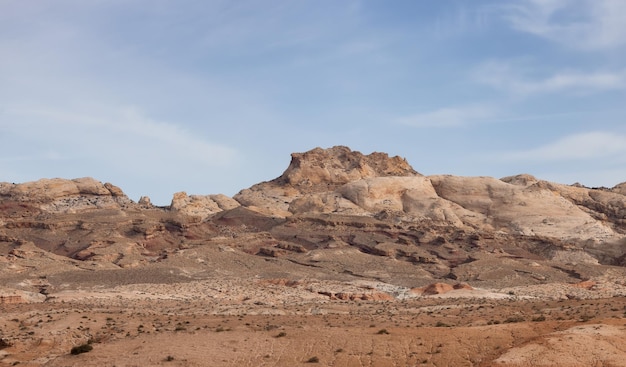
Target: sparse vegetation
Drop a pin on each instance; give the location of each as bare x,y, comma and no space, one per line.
313,359
83,348
514,319
195,292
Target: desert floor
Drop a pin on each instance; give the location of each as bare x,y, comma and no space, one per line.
211,324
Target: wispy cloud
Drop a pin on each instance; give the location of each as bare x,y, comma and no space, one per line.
583,146
121,133
446,117
513,78
581,24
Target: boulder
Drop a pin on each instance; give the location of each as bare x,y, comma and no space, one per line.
440,288
201,206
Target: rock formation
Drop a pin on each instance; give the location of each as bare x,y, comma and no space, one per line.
330,208
201,207
62,196
320,171
358,239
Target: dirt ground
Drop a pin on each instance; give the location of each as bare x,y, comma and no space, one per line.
126,327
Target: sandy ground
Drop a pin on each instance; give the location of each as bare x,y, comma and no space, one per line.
224,322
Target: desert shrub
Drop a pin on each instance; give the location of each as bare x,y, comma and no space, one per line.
313,359
281,334
382,332
539,318
513,319
441,324
83,348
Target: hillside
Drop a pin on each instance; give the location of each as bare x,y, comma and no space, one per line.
337,226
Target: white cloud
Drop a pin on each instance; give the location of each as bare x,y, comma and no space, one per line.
581,24
583,146
511,77
449,116
119,136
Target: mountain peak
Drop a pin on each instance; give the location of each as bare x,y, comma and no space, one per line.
318,169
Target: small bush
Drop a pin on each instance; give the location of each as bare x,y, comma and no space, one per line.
84,348
313,359
514,319
281,334
4,344
382,332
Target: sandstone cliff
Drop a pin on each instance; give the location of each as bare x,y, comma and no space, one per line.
339,181
60,195
339,211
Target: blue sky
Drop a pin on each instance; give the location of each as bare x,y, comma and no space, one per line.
212,96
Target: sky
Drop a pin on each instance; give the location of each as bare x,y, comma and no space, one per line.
211,96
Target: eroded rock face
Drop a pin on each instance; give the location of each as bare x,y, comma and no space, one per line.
200,206
620,188
340,181
10,296
440,288
536,209
46,190
337,208
320,171
62,196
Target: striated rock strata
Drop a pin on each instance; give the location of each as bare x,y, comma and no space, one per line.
336,211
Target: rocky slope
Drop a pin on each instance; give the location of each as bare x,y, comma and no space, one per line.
337,212
345,260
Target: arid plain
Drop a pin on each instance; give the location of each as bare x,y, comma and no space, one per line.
344,260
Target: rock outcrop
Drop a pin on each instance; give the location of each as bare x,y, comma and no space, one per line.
320,171
620,188
201,207
440,288
339,210
61,196
340,181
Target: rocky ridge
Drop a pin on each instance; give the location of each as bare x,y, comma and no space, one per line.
349,258
334,212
